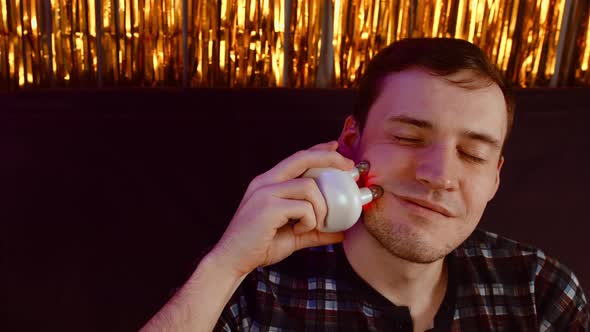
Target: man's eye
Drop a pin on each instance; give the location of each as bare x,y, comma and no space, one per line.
409,140
472,158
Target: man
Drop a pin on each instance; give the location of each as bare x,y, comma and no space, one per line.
432,118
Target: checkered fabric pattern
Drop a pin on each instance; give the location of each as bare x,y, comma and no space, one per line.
495,284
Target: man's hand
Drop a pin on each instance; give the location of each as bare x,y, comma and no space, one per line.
260,233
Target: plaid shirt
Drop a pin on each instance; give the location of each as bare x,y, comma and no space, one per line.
495,284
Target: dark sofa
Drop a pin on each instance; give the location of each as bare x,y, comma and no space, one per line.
109,197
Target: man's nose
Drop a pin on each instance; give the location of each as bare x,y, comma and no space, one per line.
436,167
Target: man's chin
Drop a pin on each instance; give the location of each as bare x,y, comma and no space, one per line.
406,242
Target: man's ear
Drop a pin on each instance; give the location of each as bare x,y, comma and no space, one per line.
497,184
349,140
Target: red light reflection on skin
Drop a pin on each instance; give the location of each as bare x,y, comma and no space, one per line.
367,180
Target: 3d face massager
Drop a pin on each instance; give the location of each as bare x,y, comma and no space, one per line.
343,197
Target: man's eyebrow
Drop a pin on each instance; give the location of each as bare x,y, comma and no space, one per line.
411,121
485,138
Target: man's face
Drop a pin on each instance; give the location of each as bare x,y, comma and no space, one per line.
434,147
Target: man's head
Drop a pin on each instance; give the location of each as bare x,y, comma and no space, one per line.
432,117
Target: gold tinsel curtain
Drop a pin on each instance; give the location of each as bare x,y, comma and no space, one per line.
267,43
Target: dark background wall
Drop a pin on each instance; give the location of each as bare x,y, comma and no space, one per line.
109,197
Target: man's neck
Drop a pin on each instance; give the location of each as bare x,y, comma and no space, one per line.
421,287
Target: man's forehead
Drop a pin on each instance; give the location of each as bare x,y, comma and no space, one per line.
418,95
419,87
466,79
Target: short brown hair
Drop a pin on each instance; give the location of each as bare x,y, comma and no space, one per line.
438,56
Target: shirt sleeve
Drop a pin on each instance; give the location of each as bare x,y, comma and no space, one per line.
561,303
235,316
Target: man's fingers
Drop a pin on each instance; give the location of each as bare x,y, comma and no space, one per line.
316,238
327,146
319,156
302,190
299,210
297,164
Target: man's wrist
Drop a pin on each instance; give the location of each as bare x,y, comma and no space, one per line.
215,280
222,263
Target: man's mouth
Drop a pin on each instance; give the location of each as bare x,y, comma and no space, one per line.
440,209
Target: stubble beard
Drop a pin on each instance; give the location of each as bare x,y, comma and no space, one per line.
402,240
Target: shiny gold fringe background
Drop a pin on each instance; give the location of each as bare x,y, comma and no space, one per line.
236,43
519,36
267,43
306,19
142,42
581,57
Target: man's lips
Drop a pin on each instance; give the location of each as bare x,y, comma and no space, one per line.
428,205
